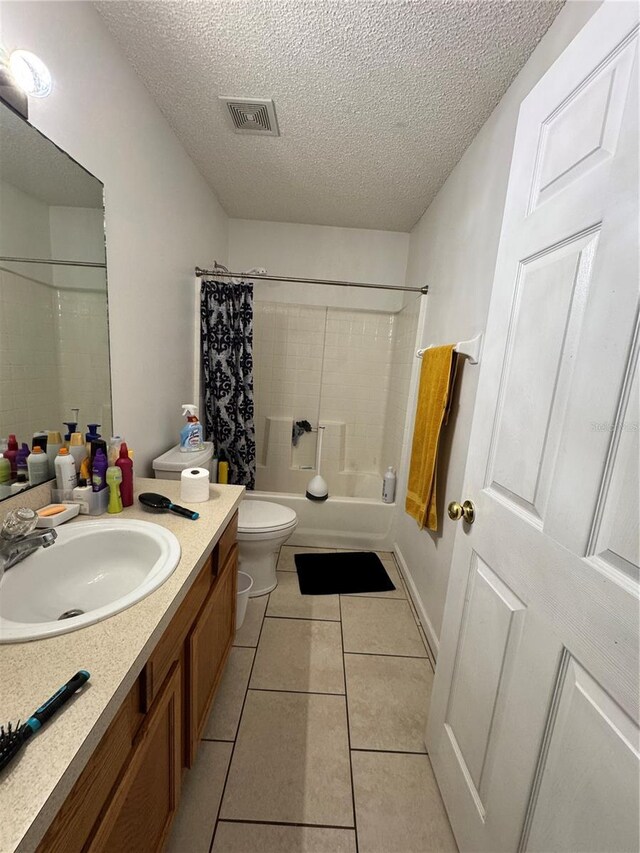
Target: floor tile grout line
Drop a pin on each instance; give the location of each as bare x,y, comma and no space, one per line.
390,751
287,823
235,740
301,618
298,692
346,704
387,655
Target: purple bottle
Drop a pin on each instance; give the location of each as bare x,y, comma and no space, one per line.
21,460
99,471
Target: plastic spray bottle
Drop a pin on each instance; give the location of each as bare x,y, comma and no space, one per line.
191,437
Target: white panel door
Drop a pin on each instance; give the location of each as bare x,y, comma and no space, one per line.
533,729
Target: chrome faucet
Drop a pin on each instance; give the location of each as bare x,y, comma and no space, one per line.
18,539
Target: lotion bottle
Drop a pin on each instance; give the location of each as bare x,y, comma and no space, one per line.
389,486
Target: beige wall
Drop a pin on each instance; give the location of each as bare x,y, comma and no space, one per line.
321,251
453,248
161,217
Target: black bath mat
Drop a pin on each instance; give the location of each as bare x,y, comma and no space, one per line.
346,572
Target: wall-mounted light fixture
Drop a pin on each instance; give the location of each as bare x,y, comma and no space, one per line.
22,74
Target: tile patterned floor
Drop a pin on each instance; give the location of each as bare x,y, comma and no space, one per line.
315,740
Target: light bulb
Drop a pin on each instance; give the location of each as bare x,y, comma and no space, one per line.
30,73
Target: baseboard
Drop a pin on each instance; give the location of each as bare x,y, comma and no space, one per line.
427,627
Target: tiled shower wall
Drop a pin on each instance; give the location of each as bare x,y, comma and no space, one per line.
405,330
54,354
29,374
340,366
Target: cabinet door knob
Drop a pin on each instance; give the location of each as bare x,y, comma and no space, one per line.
466,511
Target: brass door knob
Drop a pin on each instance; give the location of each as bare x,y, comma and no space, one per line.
466,511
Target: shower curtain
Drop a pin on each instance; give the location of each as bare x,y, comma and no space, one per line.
226,341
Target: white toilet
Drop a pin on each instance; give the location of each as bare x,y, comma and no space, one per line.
263,527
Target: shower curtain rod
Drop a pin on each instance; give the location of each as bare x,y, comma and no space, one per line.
217,273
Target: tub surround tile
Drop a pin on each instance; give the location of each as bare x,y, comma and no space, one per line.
291,761
202,790
286,563
278,838
227,707
398,805
380,626
388,700
249,634
299,655
286,601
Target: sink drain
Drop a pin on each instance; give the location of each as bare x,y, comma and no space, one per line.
69,614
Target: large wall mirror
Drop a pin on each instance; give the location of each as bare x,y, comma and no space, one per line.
54,342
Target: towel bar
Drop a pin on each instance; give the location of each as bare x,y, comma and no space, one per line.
468,349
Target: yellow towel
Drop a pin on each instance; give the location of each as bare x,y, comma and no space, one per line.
434,396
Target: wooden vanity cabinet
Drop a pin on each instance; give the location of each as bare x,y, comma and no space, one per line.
127,795
139,815
208,647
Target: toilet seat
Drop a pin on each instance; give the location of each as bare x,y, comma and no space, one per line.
261,518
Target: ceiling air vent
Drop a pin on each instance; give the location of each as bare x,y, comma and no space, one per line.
252,115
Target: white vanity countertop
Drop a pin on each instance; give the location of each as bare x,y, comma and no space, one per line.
36,783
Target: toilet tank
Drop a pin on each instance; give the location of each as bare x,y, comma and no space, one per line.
171,464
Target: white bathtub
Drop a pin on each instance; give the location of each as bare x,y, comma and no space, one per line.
337,522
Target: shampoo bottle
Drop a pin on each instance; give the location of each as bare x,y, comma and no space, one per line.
92,435
191,438
11,452
389,486
38,466
113,449
54,443
99,470
71,428
77,449
21,461
66,478
125,464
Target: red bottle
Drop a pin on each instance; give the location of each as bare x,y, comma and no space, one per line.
11,453
126,466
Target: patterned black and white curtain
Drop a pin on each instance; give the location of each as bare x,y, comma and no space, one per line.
226,340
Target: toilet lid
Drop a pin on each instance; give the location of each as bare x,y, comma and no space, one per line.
260,516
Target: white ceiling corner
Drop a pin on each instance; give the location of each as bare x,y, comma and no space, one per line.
376,99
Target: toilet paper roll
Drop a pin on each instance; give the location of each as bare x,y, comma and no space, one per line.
194,485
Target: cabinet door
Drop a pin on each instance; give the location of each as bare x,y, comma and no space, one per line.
139,816
208,647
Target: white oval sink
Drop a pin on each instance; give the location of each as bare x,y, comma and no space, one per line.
97,567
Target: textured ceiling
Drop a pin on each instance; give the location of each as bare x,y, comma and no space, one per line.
33,164
376,99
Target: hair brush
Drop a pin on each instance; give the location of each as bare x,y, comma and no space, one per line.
12,737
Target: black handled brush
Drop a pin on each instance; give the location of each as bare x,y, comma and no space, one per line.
13,737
